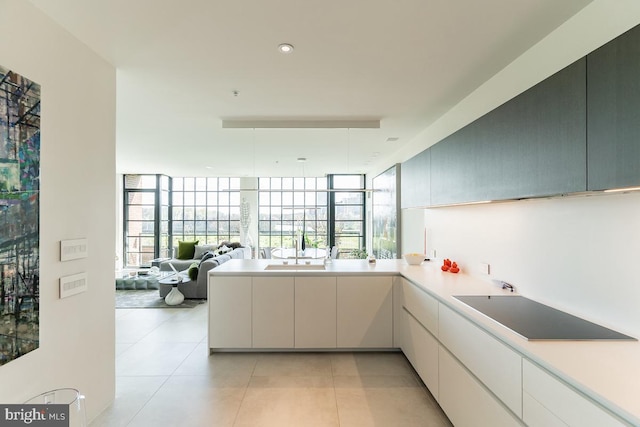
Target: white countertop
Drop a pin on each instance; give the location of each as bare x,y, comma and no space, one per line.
607,371
249,267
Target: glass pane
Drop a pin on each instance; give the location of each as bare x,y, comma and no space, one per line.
234,213
177,212
234,227
264,226
177,227
223,198
223,184
234,183
189,184
177,184
212,197
263,198
164,197
201,213
287,199
348,181
201,199
212,226
349,198
298,183
189,227
298,198
201,227
264,183
178,198
212,184
189,198
276,199
287,183
276,183
310,198
141,198
140,181
310,183
322,198
201,184
164,182
223,212
349,227
349,212
164,213
212,213
234,198
189,213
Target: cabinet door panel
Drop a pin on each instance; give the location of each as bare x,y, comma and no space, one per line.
229,312
272,312
465,401
365,312
533,145
421,305
613,113
423,353
492,362
315,312
563,402
416,181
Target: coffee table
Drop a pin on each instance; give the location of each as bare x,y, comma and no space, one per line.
174,297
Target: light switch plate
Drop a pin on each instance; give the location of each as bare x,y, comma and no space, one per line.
72,285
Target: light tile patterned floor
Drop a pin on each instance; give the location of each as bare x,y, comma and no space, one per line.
166,377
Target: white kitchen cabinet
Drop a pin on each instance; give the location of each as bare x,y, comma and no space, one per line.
315,312
365,312
273,310
465,400
421,348
547,398
492,362
421,305
230,312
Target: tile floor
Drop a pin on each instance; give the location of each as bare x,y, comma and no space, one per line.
166,377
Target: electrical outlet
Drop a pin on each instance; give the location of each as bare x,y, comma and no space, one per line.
485,268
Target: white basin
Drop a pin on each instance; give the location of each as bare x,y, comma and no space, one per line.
295,267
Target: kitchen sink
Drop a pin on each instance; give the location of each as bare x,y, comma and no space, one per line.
304,267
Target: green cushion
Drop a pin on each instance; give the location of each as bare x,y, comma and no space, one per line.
186,250
193,271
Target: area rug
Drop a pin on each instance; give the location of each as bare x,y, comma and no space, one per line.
149,298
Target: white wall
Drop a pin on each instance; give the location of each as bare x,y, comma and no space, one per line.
77,195
576,253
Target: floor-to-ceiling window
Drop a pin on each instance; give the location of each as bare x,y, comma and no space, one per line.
146,218
329,210
160,211
205,209
288,206
347,206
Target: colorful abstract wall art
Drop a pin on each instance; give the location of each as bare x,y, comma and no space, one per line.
19,215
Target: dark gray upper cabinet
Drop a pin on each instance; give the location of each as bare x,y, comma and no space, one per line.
613,113
416,181
533,145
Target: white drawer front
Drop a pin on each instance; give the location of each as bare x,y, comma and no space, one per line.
423,352
559,399
492,362
465,400
421,305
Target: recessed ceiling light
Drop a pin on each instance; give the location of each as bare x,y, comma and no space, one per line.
392,139
302,159
285,48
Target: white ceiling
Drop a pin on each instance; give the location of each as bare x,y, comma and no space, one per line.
403,62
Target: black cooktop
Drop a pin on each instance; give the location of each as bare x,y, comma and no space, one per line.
535,321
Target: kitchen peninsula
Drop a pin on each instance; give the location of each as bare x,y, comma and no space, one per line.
480,372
